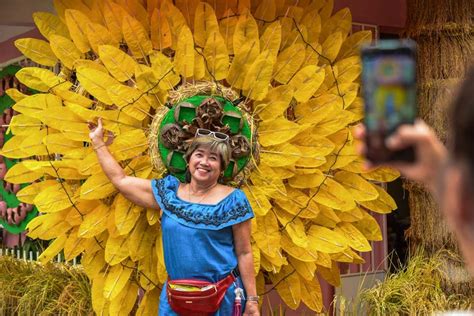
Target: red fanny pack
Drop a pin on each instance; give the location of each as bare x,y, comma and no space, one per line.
203,300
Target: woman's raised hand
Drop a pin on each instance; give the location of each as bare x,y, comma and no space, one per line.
96,132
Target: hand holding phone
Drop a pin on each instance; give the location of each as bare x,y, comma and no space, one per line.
389,90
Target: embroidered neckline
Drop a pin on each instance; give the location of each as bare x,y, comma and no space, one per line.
175,190
203,214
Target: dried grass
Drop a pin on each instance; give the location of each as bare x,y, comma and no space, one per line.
444,32
417,288
29,288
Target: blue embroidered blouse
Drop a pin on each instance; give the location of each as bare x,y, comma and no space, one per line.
197,238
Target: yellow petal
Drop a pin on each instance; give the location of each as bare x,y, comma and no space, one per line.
277,131
288,63
215,53
241,63
331,275
136,37
383,205
382,174
77,23
21,124
280,155
267,236
141,239
74,245
124,302
306,182
55,198
352,44
49,24
311,294
164,72
205,23
53,249
259,202
257,80
271,38
305,269
275,103
113,15
302,254
331,47
116,279
341,22
99,35
95,222
37,50
99,303
97,186
93,262
360,189
334,195
56,143
306,82
354,237
126,214
119,64
160,31
28,193
326,240
65,50
369,227
116,249
246,31
293,226
149,303
184,56
96,83
42,79
288,285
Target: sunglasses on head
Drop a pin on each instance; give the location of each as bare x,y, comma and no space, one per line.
216,135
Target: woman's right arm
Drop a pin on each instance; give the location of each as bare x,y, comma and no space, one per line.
135,189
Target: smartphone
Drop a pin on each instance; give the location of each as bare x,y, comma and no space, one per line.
389,91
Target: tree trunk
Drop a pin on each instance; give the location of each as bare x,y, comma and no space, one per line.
444,32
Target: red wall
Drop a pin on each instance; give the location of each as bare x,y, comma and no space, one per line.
389,15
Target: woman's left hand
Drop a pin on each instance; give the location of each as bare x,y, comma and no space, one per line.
251,309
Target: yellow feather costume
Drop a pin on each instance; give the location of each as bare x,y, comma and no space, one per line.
297,68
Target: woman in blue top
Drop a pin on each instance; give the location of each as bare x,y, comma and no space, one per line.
205,225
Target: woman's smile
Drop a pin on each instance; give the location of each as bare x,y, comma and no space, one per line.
205,165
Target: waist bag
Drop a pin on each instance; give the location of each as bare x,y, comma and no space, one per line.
190,297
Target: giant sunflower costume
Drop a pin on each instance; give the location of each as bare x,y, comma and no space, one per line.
285,76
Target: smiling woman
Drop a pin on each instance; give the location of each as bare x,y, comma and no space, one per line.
207,154
205,228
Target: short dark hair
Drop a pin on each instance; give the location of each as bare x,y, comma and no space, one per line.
462,124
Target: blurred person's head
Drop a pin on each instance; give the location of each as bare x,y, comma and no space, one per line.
457,196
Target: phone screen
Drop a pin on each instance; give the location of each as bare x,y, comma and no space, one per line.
389,89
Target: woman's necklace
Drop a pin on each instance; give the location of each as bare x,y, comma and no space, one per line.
204,194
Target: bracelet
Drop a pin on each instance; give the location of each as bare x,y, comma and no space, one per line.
253,298
100,146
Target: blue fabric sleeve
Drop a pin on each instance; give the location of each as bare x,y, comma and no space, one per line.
233,209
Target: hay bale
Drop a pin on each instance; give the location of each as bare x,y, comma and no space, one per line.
444,33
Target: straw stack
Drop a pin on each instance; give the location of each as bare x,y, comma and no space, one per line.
444,32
